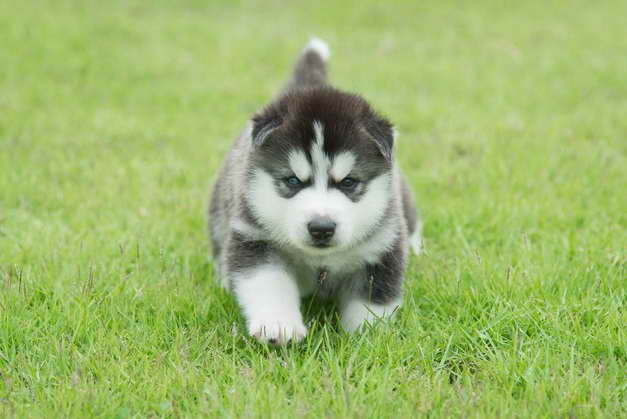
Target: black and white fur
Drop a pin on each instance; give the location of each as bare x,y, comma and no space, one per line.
310,201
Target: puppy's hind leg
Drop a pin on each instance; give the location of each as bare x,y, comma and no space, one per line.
415,239
412,218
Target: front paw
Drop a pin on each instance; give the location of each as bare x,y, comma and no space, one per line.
356,313
277,330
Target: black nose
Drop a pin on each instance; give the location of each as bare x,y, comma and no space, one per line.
321,229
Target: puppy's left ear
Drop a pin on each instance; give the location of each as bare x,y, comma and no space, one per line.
269,119
383,133
264,123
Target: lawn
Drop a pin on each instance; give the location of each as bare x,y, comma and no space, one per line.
115,115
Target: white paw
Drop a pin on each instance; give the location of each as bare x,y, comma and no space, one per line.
276,330
357,313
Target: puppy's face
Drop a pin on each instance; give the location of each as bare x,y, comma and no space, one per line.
321,171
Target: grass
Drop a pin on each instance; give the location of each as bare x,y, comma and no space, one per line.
114,117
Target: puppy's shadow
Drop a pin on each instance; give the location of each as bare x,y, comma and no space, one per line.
319,312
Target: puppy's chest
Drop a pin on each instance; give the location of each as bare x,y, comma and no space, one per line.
324,282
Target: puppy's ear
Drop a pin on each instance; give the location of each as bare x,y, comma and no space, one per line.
264,123
383,133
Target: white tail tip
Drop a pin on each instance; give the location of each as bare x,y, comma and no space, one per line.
320,47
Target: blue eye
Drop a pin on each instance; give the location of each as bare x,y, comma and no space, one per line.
293,181
348,183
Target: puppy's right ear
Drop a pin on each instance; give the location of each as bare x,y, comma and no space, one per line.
264,123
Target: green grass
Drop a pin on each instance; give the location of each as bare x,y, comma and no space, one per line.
114,117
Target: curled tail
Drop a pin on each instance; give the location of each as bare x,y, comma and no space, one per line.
311,68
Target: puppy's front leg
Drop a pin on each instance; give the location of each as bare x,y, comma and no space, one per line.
270,300
377,292
357,311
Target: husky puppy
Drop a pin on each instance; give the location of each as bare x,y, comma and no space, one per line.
311,202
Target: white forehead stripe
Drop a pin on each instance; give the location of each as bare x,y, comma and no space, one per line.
320,160
342,165
299,165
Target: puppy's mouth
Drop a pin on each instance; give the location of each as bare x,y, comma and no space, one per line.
321,247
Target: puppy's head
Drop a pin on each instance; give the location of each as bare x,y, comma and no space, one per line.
321,169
